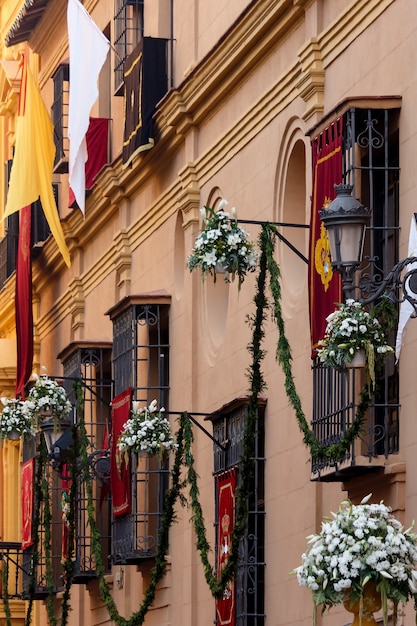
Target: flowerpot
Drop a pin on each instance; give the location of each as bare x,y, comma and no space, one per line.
222,268
371,602
13,435
359,360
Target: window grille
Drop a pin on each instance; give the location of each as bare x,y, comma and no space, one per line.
128,31
250,579
41,582
140,361
371,165
11,554
91,363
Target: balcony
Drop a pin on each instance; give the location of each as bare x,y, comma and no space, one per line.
335,402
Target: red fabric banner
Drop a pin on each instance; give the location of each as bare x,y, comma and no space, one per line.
28,471
119,469
23,303
97,139
325,287
226,489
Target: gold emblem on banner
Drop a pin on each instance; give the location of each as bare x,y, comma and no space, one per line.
322,254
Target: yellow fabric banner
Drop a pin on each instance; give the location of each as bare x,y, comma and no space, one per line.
31,173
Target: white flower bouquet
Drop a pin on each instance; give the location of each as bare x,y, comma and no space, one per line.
146,431
362,543
47,395
223,245
15,418
351,328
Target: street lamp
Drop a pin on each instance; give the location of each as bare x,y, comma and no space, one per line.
58,440
346,220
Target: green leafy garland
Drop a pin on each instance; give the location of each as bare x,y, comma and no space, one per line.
318,451
5,580
184,457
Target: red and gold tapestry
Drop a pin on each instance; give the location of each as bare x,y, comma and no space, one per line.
325,287
28,470
119,469
226,489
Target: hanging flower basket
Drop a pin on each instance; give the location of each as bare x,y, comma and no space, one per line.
223,246
15,420
47,399
351,329
147,431
359,546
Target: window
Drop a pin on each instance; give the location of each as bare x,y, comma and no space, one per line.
91,363
9,242
371,165
60,117
228,425
140,362
128,31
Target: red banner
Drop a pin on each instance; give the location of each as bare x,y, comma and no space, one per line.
97,138
28,470
23,303
226,489
325,287
119,469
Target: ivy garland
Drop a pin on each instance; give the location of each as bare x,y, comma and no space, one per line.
41,462
318,450
5,581
184,458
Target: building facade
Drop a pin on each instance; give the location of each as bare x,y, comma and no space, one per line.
249,96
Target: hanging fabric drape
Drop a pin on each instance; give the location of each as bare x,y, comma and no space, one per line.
325,288
226,490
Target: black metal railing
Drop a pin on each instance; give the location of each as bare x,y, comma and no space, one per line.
335,402
11,557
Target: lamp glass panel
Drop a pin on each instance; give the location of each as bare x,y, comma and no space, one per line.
351,243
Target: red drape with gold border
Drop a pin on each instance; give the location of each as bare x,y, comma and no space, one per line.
325,288
28,471
226,489
119,470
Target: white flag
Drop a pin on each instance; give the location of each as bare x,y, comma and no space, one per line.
88,48
406,308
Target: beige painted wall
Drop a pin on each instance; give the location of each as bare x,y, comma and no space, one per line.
235,125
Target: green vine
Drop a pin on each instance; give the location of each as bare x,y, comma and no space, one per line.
47,546
41,462
69,561
5,580
318,450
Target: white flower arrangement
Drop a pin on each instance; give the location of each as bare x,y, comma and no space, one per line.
223,245
362,543
47,395
351,328
146,431
15,418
